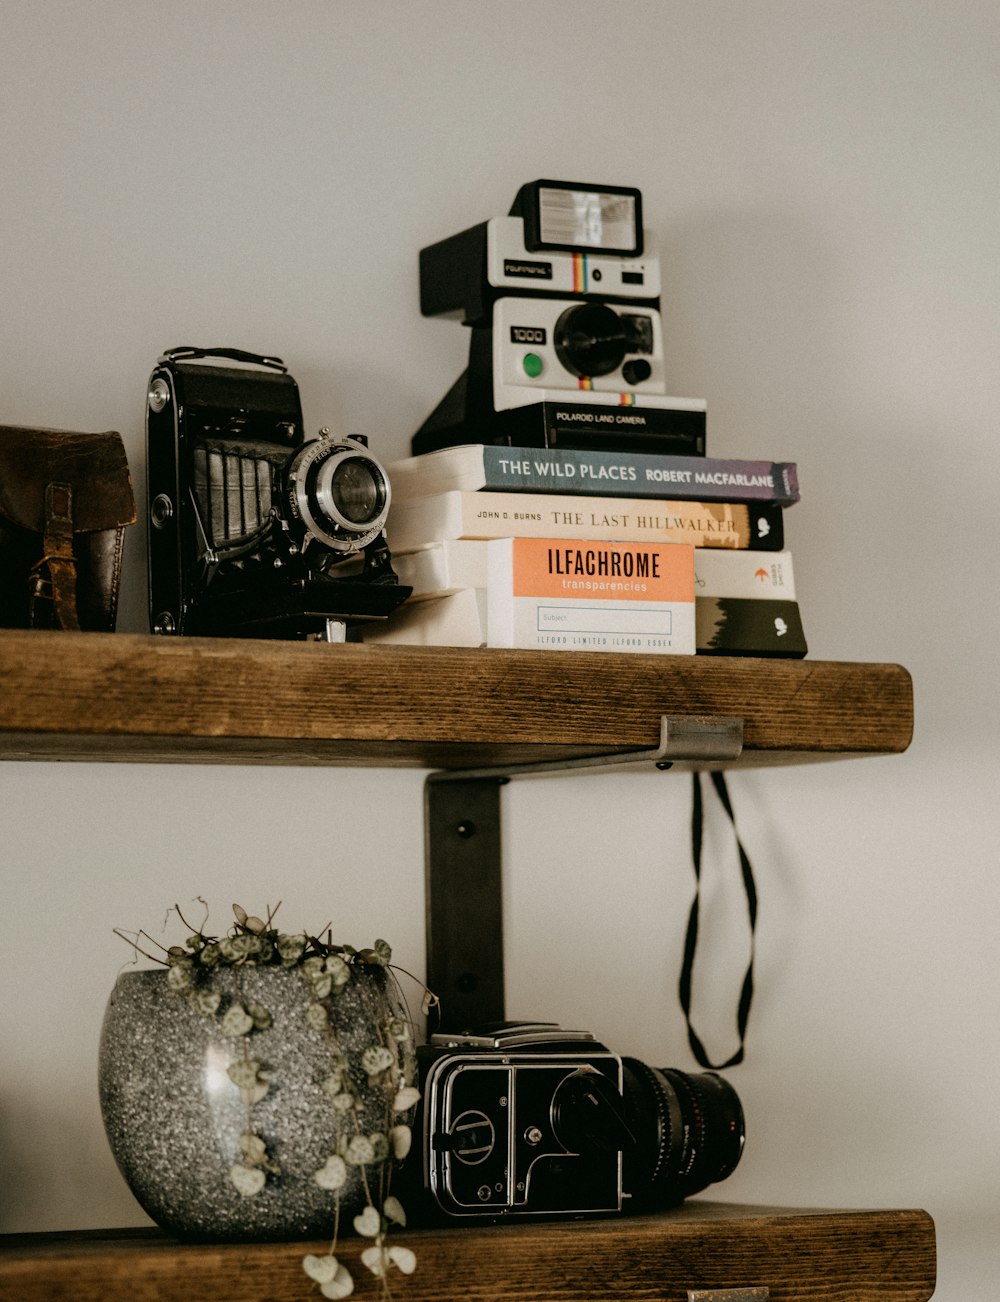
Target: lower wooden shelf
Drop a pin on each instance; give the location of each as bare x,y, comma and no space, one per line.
702,1248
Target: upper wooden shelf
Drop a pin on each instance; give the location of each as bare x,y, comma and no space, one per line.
119,696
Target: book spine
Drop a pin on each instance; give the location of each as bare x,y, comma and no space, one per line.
735,626
721,627
449,566
423,521
597,473
721,572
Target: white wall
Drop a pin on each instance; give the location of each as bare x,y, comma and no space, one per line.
823,178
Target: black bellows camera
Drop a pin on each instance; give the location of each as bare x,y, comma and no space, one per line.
529,1119
563,300
253,530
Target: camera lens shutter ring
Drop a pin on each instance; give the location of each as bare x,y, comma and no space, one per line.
313,502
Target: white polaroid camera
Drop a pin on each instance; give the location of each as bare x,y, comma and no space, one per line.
563,299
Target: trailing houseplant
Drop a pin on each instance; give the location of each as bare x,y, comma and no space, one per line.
261,1081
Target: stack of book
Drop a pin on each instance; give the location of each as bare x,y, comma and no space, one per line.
593,550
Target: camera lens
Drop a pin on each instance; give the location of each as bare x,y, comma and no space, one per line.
689,1132
339,492
351,490
590,339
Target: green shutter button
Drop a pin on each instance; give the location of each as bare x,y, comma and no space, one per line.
533,365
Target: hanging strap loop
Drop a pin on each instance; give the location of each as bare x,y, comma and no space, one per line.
691,939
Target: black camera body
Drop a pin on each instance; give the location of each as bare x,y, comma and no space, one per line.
563,300
528,1119
254,531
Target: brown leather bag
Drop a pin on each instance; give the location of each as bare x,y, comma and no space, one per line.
65,501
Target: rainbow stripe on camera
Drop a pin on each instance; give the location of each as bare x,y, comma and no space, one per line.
624,399
581,273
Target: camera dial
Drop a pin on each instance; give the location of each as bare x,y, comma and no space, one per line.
587,1114
338,491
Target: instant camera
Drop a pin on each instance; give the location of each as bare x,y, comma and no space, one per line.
562,297
253,530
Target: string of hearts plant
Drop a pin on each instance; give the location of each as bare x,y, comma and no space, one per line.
387,1062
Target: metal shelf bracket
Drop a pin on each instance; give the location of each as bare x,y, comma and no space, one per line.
464,906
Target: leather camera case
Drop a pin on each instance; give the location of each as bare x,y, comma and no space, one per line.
65,501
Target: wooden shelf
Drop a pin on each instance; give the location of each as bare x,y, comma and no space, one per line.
850,1256
95,696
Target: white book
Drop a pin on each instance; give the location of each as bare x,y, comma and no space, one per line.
584,595
457,563
744,574
447,566
475,466
458,619
422,521
560,595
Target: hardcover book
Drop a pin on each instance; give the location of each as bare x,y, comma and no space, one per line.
733,626
446,566
458,619
722,572
580,595
464,514
457,563
771,629
476,466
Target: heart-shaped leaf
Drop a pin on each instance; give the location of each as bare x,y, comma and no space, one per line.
342,1285
368,1223
376,1260
360,1151
376,1059
404,1259
392,1210
321,1269
401,1138
333,1174
405,1099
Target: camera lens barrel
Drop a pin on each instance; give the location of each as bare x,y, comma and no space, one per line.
590,339
689,1132
339,492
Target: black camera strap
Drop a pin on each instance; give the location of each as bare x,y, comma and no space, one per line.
691,939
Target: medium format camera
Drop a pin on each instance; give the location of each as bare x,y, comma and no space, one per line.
253,530
529,1119
562,297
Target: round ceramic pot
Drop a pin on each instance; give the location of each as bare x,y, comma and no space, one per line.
174,1117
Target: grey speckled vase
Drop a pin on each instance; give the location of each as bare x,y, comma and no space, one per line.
174,1118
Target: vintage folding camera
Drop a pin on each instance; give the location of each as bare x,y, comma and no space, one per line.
562,297
253,530
530,1119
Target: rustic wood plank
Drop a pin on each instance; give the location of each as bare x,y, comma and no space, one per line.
137,697
839,1256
